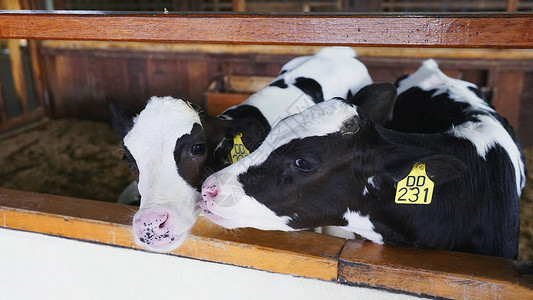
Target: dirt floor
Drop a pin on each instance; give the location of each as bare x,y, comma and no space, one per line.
83,159
73,158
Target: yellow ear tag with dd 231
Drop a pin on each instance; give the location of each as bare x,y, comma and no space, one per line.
415,188
239,150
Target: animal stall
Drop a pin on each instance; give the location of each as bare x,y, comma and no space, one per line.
88,247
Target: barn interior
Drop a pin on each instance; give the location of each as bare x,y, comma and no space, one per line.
55,132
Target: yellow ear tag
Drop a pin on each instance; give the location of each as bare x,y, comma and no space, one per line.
238,151
416,188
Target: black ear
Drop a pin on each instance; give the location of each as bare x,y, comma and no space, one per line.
377,100
121,118
439,168
196,107
311,88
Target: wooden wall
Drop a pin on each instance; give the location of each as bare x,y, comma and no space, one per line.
80,79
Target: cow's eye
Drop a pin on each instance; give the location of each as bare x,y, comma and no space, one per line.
198,149
304,165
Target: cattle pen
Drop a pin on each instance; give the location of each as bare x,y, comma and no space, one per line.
54,245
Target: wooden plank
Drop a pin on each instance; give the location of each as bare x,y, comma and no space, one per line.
247,84
451,30
302,254
239,5
507,95
216,103
3,115
435,273
36,114
36,68
511,5
15,58
197,79
292,50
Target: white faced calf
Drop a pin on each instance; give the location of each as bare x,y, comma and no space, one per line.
457,186
172,146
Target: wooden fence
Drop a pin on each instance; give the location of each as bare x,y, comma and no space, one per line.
414,271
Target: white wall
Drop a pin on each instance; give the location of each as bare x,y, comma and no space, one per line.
37,266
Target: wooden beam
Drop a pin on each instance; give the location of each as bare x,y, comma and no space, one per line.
239,5
37,113
3,115
509,30
507,97
479,53
434,273
511,5
302,254
15,58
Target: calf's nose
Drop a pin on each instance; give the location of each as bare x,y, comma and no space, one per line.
210,190
154,227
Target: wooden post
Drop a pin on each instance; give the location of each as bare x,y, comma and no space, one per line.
239,5
511,5
507,95
15,57
3,116
35,59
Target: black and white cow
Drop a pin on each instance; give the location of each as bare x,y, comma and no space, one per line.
455,186
172,145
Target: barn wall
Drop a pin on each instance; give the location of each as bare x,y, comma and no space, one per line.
79,80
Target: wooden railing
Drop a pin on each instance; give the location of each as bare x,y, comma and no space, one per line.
353,262
399,30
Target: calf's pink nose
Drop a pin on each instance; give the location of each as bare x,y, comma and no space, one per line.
209,191
153,227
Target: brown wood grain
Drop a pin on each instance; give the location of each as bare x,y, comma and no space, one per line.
507,96
510,30
15,58
37,113
436,273
479,53
216,103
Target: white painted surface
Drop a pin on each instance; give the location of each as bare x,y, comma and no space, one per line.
36,266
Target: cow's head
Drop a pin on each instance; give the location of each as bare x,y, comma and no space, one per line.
312,170
166,148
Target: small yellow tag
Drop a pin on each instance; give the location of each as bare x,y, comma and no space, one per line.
238,151
415,188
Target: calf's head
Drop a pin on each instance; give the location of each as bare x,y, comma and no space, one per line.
313,169
166,147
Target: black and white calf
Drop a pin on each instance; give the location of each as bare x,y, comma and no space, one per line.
172,146
456,186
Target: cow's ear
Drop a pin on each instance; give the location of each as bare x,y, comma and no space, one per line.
377,100
121,118
196,107
439,168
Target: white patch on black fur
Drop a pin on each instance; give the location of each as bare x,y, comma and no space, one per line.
362,226
485,133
